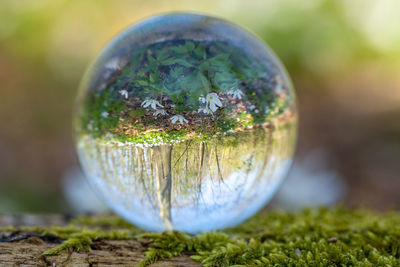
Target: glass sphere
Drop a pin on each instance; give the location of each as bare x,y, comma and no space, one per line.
185,122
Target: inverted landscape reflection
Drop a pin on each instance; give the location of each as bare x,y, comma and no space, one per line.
193,185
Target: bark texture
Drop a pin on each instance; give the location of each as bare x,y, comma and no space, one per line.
19,248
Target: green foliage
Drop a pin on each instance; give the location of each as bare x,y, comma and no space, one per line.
176,73
172,68
184,70
103,101
321,237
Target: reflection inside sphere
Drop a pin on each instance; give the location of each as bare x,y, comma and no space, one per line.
185,122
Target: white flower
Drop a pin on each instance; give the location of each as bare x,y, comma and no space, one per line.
213,101
178,118
202,99
205,110
152,103
113,64
159,112
235,93
90,125
124,93
105,114
252,107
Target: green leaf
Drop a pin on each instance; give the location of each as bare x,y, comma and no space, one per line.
200,51
162,54
154,76
189,45
151,59
143,82
183,49
194,84
176,72
225,80
204,82
179,61
204,66
219,60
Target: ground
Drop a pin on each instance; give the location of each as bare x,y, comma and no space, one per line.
320,237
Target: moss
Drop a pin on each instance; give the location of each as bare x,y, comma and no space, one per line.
103,221
320,237
174,136
84,238
154,137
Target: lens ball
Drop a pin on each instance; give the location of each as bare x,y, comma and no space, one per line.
185,122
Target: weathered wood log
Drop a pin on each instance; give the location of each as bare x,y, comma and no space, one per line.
24,248
28,252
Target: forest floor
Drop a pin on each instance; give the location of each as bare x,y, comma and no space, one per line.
324,237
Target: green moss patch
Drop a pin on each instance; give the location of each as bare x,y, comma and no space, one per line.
321,237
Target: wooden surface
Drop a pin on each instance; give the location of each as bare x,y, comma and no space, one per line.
26,248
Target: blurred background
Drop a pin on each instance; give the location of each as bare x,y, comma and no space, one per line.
343,57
